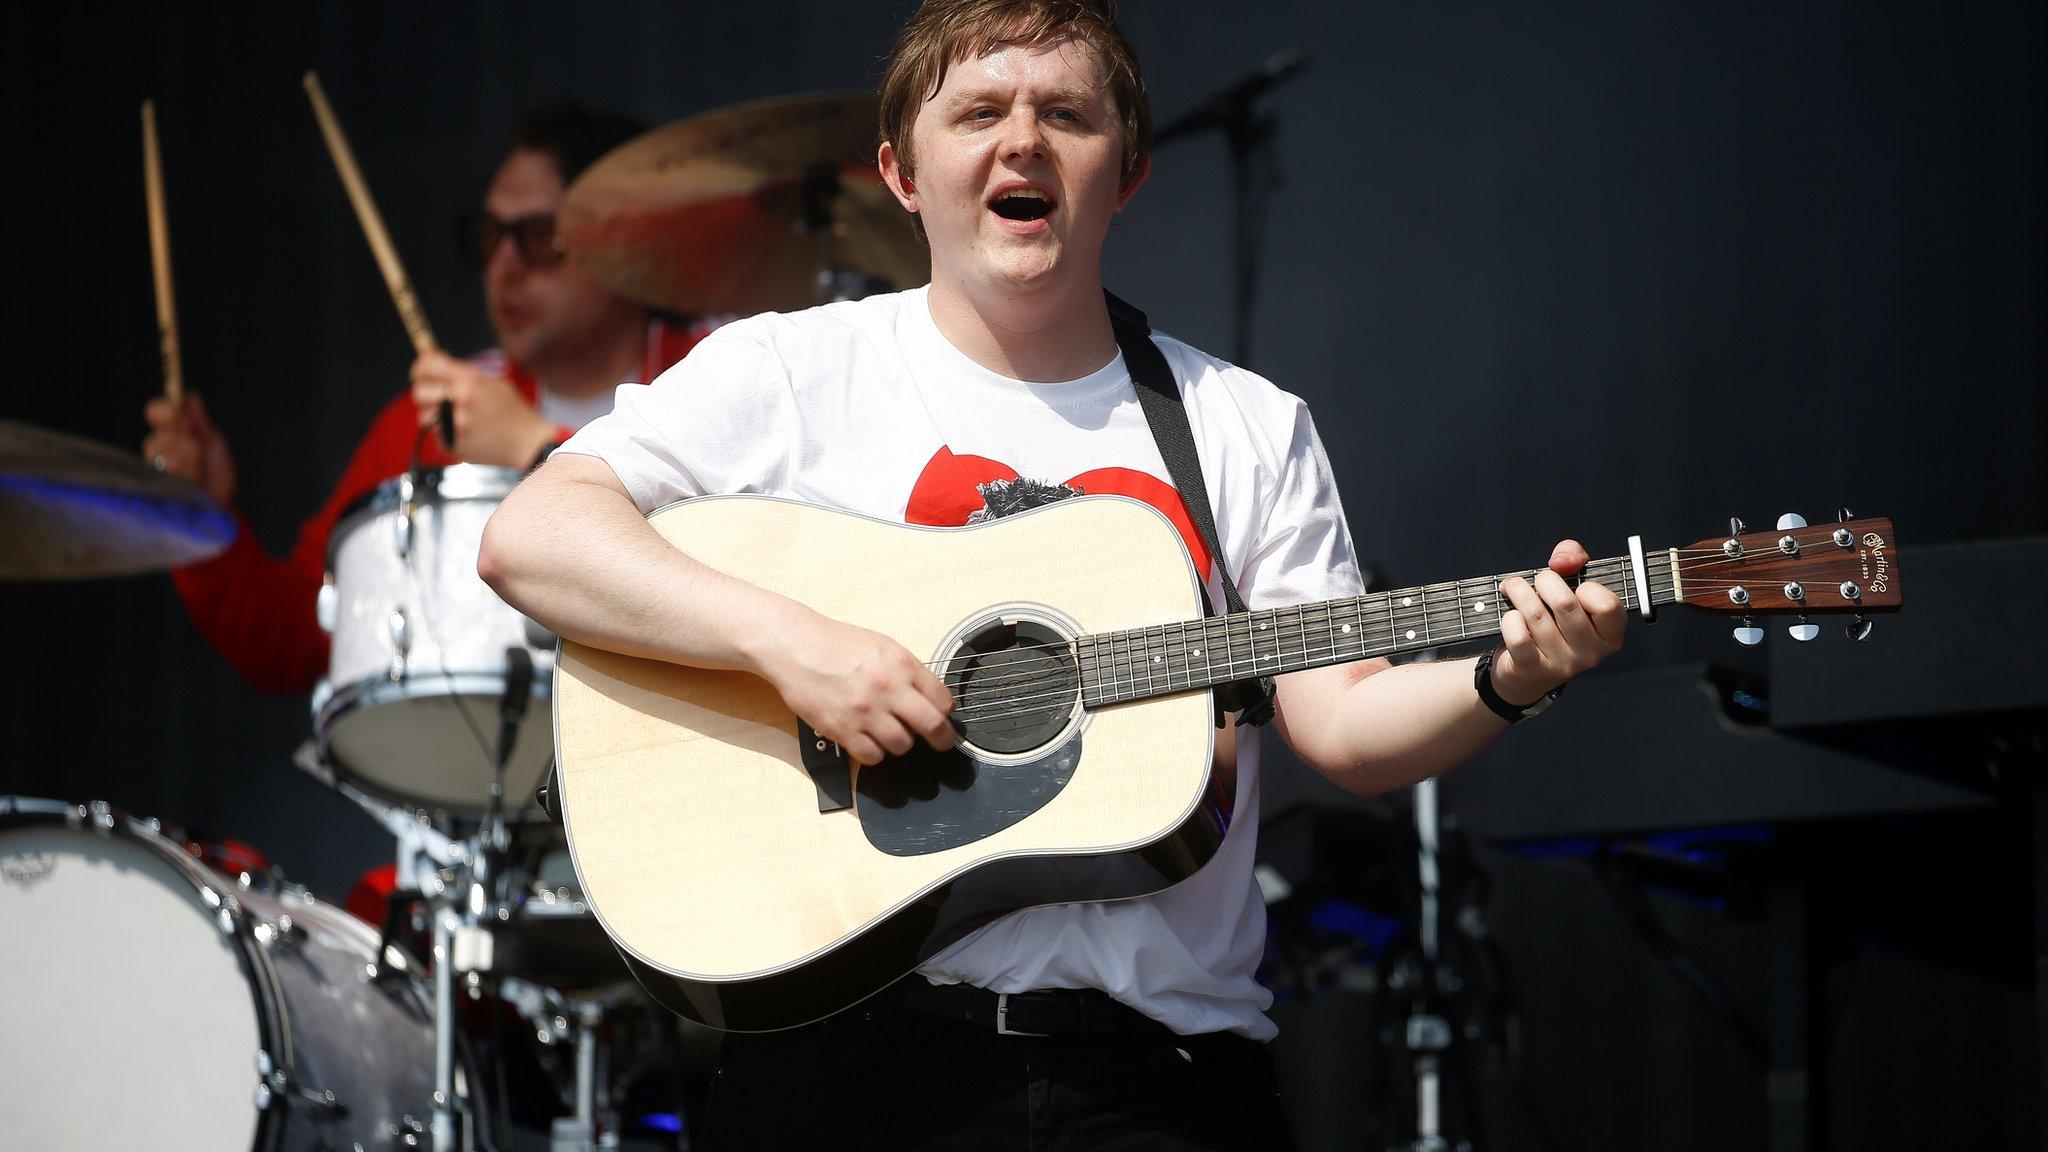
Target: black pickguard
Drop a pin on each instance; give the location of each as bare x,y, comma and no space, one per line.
930,801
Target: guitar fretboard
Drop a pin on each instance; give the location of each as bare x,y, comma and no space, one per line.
1169,658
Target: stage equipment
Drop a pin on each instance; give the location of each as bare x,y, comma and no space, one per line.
72,508
1782,791
769,206
1254,171
155,1002
417,672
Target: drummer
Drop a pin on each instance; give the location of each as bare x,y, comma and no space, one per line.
564,344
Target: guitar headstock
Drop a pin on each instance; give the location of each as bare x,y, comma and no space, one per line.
1849,567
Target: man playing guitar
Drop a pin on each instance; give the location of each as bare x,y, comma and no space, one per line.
1015,132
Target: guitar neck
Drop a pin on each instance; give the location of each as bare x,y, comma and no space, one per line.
1169,658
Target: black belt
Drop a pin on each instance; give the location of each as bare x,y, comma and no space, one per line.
1043,1012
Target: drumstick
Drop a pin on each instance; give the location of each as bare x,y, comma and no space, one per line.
160,257
395,279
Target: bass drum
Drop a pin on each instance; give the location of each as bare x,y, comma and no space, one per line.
408,711
154,1003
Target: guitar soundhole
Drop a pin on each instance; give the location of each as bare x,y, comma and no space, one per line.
1015,686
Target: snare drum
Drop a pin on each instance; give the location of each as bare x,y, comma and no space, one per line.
409,709
153,1002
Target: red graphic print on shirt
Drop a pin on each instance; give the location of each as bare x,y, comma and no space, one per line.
956,490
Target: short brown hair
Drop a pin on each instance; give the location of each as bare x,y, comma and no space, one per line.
945,31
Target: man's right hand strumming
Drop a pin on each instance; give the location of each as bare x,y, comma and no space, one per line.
859,689
183,442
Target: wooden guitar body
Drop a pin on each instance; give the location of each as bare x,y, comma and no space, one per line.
696,826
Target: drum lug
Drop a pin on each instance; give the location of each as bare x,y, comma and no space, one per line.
273,1083
280,933
102,816
326,604
228,917
400,629
401,528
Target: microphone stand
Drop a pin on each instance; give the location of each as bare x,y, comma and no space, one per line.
1249,132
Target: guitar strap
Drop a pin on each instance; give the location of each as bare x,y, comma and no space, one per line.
1165,413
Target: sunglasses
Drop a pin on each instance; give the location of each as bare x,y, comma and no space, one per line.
478,234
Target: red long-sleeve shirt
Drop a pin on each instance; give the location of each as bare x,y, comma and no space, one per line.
256,610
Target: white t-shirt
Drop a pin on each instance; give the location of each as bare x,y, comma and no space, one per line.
865,406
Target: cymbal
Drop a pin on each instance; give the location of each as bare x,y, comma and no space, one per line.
72,507
740,209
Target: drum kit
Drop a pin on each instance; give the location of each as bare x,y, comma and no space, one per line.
266,1017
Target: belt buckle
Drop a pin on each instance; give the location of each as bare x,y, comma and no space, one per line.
1003,1018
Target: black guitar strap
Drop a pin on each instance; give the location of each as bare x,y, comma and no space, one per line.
1159,396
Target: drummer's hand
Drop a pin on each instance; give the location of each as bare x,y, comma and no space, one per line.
183,442
859,689
493,423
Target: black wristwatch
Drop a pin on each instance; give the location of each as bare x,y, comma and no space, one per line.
1482,682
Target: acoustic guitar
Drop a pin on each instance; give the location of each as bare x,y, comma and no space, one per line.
754,879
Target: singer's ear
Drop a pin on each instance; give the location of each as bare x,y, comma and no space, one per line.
1139,172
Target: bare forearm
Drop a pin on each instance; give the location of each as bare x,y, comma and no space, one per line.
569,549
1375,733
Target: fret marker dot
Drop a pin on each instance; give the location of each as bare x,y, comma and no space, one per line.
1198,651
1411,633
1157,659
1346,629
1407,600
1479,606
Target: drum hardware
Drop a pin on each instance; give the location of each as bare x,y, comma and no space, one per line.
240,970
578,1021
400,630
419,650
274,1083
279,933
450,1128
401,528
408,1131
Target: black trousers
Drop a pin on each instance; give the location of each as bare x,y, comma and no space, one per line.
885,1078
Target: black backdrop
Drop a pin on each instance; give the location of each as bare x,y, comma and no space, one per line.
1541,269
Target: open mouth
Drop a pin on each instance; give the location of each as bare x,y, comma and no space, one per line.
1022,204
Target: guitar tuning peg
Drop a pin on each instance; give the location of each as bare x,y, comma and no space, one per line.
1736,527
1858,629
1748,634
1804,631
1791,520
1844,515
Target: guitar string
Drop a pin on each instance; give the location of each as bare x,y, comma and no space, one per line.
1299,615
1233,651
1619,565
1148,642
1067,687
